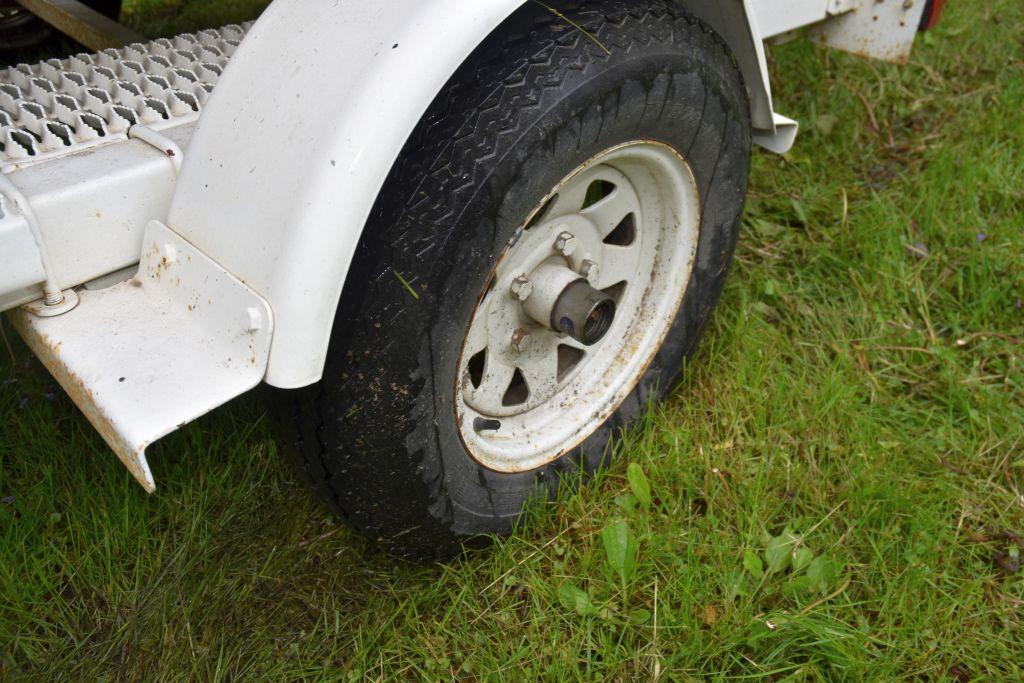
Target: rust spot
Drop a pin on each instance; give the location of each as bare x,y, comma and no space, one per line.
163,264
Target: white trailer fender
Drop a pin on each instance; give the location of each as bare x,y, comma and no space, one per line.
306,122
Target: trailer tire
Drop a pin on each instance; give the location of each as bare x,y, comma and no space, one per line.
378,437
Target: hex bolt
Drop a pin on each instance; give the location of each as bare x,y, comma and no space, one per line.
522,288
252,319
566,244
168,254
521,340
590,270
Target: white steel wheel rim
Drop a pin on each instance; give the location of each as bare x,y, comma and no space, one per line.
522,403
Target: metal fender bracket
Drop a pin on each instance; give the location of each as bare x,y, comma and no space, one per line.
883,29
149,355
782,138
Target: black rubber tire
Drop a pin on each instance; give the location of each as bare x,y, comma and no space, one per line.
22,30
29,31
377,438
112,8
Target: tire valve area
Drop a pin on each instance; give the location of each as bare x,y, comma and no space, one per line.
482,424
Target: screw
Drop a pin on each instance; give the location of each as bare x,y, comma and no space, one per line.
521,341
522,288
566,243
589,270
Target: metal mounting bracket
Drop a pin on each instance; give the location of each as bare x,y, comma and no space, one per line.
146,356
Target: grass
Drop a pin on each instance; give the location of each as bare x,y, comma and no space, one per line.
156,18
835,485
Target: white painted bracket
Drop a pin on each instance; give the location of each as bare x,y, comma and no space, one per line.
20,262
151,354
782,138
882,29
842,6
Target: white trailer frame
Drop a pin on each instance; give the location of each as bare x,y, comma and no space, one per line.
245,246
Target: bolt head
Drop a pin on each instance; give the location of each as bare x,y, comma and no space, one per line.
252,319
168,253
566,244
521,340
522,288
590,270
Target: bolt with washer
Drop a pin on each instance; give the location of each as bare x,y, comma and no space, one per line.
521,340
522,288
590,270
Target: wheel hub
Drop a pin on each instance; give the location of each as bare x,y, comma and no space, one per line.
577,305
562,300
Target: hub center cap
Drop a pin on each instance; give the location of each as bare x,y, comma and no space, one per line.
562,300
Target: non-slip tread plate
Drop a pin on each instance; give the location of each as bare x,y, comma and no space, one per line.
64,105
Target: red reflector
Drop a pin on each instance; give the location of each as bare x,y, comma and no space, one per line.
932,13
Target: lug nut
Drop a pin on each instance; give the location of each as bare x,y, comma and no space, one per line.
566,244
589,270
522,288
521,340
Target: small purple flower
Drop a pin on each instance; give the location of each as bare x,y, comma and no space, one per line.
919,250
982,237
1019,305
7,500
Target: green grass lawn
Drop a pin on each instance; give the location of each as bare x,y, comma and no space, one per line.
836,485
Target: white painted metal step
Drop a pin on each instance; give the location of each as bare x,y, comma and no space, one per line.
151,354
58,107
64,143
